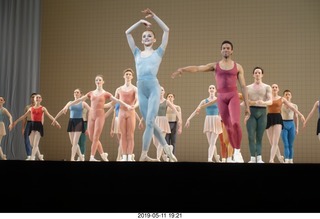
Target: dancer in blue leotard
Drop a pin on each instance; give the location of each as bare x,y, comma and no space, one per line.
147,66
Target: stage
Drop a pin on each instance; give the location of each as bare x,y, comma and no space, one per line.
64,186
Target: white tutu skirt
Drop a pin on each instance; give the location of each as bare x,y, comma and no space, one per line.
212,124
163,123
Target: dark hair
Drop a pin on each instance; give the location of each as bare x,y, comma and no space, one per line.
257,68
33,94
228,42
3,98
286,91
128,69
79,90
171,94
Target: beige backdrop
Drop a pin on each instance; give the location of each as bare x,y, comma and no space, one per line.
83,38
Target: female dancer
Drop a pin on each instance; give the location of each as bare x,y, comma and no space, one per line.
275,122
36,130
163,123
76,124
212,124
96,117
316,105
147,66
3,111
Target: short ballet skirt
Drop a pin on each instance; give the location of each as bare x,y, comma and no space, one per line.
318,126
36,126
212,124
274,119
163,123
76,125
2,129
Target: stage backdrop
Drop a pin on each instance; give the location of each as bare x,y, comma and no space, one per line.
83,38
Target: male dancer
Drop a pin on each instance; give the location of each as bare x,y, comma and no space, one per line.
227,73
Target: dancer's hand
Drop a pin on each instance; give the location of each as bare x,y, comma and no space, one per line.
146,23
177,72
148,13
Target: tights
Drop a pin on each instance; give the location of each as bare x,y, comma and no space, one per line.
288,135
149,100
229,108
256,125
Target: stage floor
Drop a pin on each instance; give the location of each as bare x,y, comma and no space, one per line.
64,186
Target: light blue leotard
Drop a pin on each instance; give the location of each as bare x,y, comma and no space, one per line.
149,94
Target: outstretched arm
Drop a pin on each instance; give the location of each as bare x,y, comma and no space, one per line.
207,104
122,103
293,109
64,110
194,69
193,114
21,118
54,122
315,106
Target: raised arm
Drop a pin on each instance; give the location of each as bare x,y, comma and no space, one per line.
129,36
194,69
163,26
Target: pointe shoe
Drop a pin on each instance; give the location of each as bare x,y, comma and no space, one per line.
41,157
93,159
281,159
148,159
168,150
165,158
4,157
217,158
104,156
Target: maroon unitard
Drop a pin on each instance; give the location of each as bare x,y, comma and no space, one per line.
229,103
